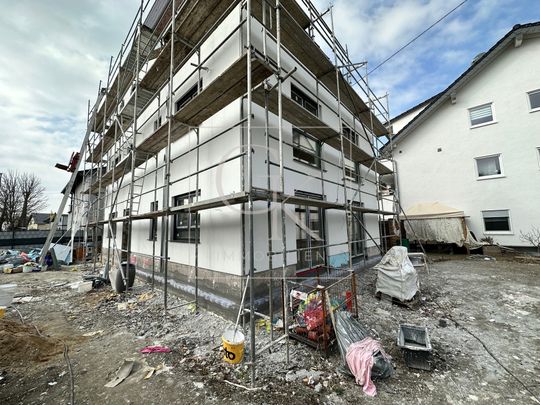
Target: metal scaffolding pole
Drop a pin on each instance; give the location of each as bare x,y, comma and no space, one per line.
285,295
167,177
250,196
133,151
348,204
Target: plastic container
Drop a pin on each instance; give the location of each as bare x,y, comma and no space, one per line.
233,346
416,346
7,292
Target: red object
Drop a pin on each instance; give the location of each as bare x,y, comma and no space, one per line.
73,162
155,349
313,317
348,298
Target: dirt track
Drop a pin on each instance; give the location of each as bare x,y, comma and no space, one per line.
498,302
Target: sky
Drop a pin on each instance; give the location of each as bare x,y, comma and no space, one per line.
53,54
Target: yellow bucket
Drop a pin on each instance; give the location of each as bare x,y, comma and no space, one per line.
233,346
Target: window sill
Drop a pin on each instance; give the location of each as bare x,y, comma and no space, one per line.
499,232
306,164
495,176
485,124
533,110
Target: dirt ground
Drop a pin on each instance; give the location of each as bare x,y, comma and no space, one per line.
483,318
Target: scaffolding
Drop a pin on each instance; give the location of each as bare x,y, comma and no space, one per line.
141,88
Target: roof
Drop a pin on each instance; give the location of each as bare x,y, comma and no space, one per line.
473,70
41,218
417,106
432,210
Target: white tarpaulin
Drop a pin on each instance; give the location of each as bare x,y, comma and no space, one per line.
436,222
442,230
396,275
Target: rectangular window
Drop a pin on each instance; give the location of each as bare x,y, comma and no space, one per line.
351,171
304,100
157,123
152,233
186,224
534,100
496,220
188,96
350,134
489,166
306,148
126,212
481,114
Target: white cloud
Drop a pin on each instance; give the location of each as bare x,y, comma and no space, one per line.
51,65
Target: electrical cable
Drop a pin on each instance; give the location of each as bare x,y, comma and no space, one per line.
418,36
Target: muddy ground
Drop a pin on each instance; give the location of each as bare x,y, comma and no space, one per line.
483,318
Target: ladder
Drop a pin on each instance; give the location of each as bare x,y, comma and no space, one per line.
69,186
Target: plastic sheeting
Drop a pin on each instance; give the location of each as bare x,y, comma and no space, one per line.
349,331
442,230
396,275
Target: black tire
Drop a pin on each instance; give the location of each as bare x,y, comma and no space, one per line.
119,282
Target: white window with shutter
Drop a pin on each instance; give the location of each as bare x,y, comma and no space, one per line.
534,100
489,166
496,221
481,115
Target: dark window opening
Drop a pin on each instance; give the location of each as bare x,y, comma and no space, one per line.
186,224
350,134
188,96
352,171
157,123
498,220
306,148
152,234
304,100
309,234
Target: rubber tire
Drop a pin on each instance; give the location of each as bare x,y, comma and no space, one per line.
119,282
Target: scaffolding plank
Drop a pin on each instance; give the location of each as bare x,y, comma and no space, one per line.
305,120
295,38
194,20
226,88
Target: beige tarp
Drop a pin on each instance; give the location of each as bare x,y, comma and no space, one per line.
436,222
433,210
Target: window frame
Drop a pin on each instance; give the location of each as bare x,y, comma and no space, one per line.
189,95
193,226
299,149
353,167
304,98
489,176
153,228
498,232
482,124
531,108
346,128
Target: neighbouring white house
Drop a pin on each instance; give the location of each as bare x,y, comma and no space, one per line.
476,145
198,216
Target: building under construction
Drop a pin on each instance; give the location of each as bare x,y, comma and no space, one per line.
233,142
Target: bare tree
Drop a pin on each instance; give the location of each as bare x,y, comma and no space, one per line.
533,237
10,199
32,196
21,195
